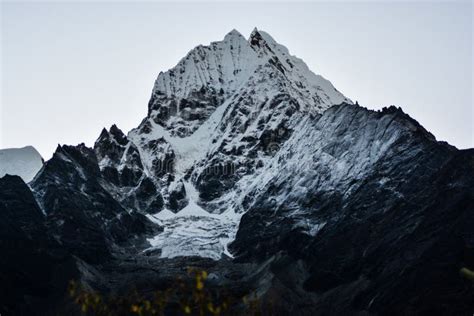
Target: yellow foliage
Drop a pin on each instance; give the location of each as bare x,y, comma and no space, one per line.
196,300
147,305
210,307
468,274
199,284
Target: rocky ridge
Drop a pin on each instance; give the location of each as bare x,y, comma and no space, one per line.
253,168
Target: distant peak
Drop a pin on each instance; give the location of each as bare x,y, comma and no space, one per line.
118,135
259,38
267,37
257,41
226,65
24,162
254,31
115,130
114,133
255,36
232,34
104,133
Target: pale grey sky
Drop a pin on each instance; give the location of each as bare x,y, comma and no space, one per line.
69,69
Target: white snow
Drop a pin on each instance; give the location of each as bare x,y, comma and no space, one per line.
224,64
188,150
24,162
230,64
202,236
250,82
299,72
194,232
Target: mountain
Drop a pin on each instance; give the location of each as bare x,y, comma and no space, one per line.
24,162
249,166
34,268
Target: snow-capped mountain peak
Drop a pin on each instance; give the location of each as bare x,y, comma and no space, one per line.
186,95
230,104
233,34
220,65
308,84
245,153
215,124
24,162
260,39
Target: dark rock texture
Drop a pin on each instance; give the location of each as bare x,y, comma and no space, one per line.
392,245
332,209
34,267
80,213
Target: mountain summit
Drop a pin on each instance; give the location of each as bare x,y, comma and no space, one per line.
253,168
234,67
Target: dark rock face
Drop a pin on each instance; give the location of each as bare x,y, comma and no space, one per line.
121,167
346,211
81,214
182,116
20,208
164,157
34,268
114,149
393,244
177,197
217,177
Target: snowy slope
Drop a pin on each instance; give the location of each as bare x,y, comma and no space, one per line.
230,105
24,162
222,65
325,207
186,95
228,64
215,124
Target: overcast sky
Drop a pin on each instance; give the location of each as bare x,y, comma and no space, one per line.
70,69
